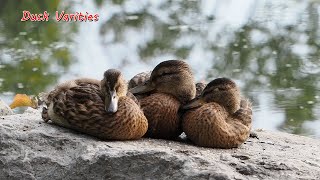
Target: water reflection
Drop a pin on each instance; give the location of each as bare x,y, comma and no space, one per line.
270,48
32,54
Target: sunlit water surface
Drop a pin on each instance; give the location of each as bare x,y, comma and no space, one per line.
270,48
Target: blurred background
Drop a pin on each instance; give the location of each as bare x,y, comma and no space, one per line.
269,47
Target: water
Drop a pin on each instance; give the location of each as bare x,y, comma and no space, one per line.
270,48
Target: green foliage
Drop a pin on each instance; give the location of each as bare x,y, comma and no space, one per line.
30,47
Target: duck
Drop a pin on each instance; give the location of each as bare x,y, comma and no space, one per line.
219,117
19,100
171,84
98,108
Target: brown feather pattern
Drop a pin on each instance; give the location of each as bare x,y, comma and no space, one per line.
161,111
223,121
212,126
82,107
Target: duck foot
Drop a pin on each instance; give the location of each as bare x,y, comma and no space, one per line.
253,135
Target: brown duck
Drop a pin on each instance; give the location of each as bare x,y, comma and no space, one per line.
218,118
171,84
98,108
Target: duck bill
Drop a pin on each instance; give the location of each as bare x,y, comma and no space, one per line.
197,102
111,102
142,89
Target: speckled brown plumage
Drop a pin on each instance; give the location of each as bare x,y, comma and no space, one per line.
80,105
171,84
200,87
220,121
139,79
161,111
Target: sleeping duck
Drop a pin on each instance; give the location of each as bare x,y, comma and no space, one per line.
171,84
218,118
98,108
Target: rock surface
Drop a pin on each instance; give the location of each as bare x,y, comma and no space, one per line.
32,149
5,109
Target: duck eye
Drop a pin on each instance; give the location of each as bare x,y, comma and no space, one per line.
220,89
167,72
163,73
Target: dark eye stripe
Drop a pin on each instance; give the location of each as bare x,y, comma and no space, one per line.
168,73
211,90
222,88
163,74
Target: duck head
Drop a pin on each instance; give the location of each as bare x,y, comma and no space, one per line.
172,77
113,86
223,91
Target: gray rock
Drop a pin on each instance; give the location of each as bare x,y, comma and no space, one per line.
32,149
5,109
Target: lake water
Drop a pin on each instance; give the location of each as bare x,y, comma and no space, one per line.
269,47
